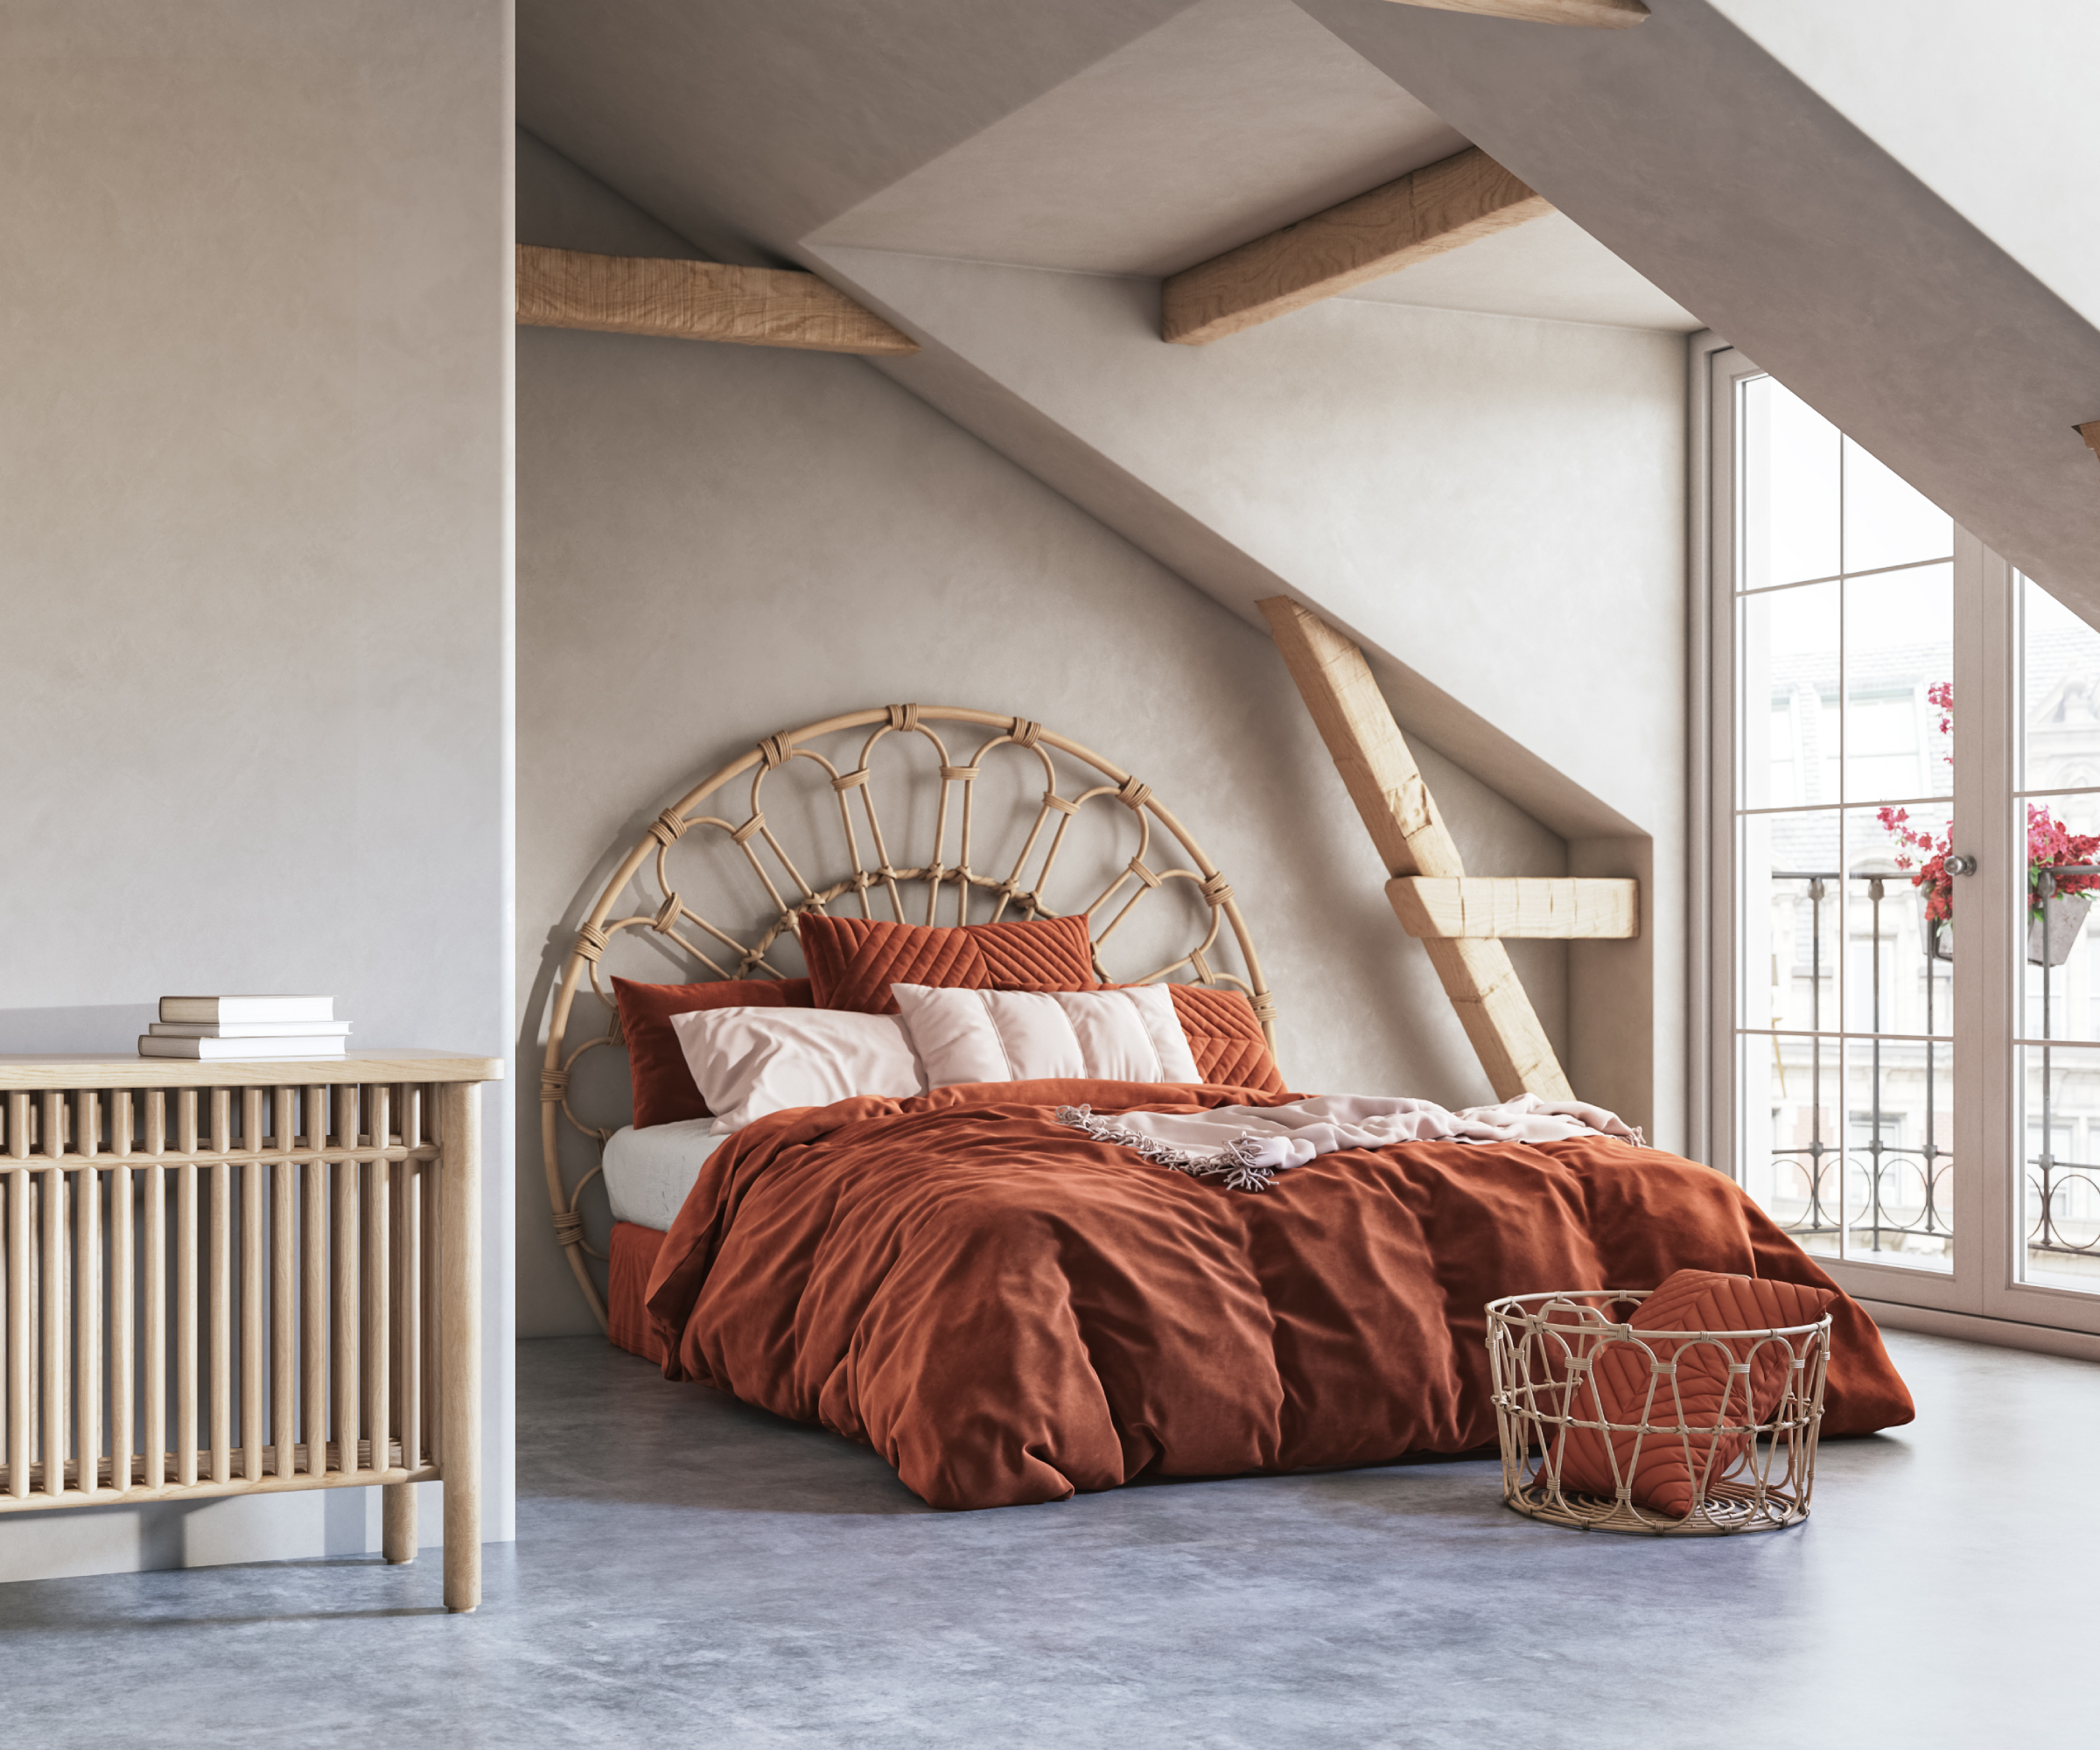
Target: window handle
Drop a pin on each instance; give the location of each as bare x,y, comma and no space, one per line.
1960,865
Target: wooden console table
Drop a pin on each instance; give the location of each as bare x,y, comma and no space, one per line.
227,1278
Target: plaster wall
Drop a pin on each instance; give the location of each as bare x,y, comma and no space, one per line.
1990,110
1479,495
1494,507
254,372
1881,204
746,123
715,543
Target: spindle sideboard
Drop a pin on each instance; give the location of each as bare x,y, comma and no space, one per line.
233,1278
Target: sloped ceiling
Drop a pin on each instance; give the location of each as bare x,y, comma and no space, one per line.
1131,135
746,124
1232,118
1135,138
1686,148
1487,492
1697,177
922,156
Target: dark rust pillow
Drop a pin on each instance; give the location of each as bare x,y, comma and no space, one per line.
853,962
1225,1039
664,1088
1665,1470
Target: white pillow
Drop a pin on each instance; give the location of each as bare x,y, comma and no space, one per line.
748,1062
1128,1035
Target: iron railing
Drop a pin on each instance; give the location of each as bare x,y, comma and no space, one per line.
2050,1178
1931,1163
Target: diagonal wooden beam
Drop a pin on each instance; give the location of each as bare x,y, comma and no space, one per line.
1427,212
1383,779
697,301
1608,15
2090,432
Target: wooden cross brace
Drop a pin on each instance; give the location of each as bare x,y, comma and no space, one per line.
1460,919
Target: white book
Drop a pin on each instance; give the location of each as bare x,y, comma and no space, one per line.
237,1050
247,1008
248,1029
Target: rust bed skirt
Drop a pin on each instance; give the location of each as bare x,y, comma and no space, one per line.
626,1310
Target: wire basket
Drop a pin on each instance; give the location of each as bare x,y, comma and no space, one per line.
1673,1433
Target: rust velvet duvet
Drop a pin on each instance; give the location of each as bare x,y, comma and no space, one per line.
1008,1309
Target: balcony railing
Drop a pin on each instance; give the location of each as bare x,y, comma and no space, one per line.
1881,1217
2050,1181
1880,1214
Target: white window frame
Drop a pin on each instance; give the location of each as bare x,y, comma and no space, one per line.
1982,1296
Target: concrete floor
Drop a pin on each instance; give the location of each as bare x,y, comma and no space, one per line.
689,1571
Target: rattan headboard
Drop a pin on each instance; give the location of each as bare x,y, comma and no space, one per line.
873,885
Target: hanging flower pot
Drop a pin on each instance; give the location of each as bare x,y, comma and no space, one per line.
2050,937
2057,859
2053,935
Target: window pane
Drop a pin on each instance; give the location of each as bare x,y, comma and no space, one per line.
2060,714
1899,653
1791,947
1897,975
1789,489
1791,1145
1886,521
1788,641
2059,999
1899,1097
2058,1245
2060,1193
1845,781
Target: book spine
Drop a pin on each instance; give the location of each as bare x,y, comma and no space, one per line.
255,1030
261,1008
234,1051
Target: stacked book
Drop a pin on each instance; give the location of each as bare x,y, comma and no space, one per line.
245,1028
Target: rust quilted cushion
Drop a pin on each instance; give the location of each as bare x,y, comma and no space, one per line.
853,962
1668,1469
1225,1039
664,1090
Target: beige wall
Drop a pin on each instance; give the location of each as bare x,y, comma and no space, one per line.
254,375
1872,200
715,543
1493,506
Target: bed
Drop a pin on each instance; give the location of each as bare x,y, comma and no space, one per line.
1009,1308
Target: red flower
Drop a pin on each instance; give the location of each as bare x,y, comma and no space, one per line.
2050,843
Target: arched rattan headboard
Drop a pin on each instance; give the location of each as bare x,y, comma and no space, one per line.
872,883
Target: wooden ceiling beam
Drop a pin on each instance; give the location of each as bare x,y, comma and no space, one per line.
1439,207
697,301
1601,15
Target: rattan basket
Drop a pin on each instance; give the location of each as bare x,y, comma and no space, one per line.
1752,1464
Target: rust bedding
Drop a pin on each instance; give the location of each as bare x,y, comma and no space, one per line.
1008,1309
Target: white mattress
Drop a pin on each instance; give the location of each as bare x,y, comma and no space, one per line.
648,1172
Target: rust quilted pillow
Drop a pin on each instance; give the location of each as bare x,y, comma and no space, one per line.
1224,1038
664,1090
1668,1467
853,962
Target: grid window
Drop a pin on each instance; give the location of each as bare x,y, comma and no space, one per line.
1843,641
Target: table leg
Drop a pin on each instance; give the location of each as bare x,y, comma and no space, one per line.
459,1292
397,1516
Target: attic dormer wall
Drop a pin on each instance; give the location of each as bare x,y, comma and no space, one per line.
1885,204
715,543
